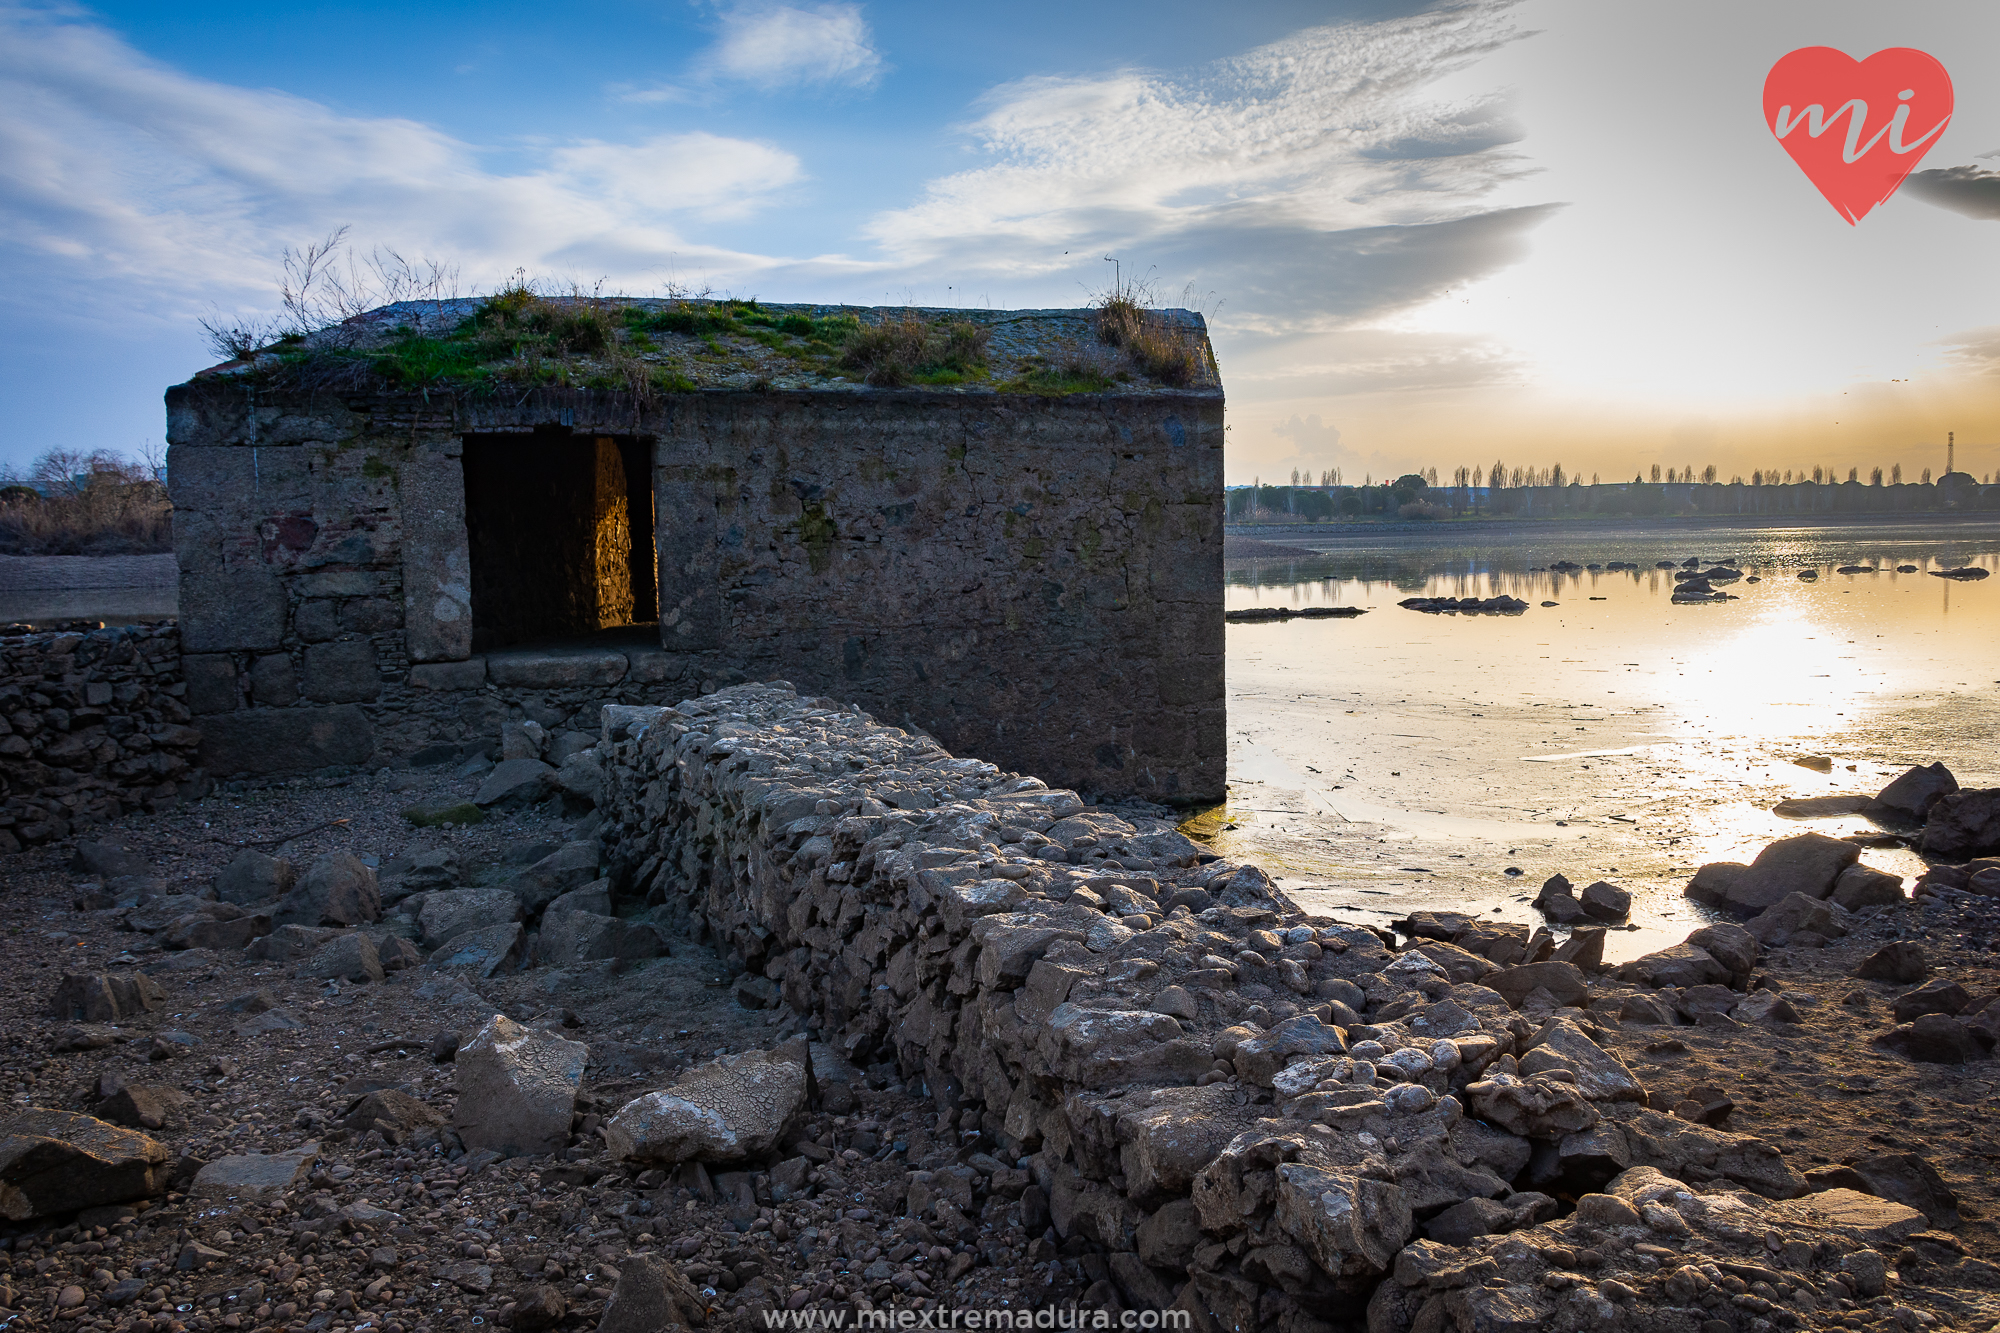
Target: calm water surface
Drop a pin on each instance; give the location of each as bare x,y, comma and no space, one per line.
1613,735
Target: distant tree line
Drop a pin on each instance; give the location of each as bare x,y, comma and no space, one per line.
73,502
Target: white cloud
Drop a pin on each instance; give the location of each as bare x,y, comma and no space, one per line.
774,45
114,167
1317,184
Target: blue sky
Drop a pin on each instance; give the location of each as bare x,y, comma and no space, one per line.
1552,229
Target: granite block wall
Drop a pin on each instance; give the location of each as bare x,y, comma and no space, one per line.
1034,578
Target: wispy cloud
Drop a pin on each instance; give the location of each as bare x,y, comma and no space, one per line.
772,47
122,177
769,45
1317,183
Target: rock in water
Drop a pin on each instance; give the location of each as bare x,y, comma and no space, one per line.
1606,902
517,1089
651,1295
1963,825
1915,792
56,1162
723,1111
1808,864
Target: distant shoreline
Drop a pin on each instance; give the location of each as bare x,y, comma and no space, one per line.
1448,529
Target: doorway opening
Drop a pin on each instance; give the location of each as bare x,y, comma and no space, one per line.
560,532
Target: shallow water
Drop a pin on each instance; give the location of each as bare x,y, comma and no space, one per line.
1400,759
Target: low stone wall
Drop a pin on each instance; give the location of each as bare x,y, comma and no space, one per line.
1178,1057
92,725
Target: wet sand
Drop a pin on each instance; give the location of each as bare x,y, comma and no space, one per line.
1399,760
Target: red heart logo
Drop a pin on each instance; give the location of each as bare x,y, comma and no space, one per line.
1857,127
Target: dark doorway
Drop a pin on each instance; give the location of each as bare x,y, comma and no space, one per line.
560,529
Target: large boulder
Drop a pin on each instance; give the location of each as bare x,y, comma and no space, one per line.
584,937
486,952
727,1110
145,1106
1908,1179
571,866
1564,981
1681,965
339,889
57,1162
1862,886
1936,1039
453,912
347,957
253,879
1796,914
516,1089
1963,825
1535,1108
1728,944
514,783
1605,901
1901,962
1916,791
1808,863
1599,1075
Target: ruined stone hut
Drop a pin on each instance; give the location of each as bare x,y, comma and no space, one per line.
397,534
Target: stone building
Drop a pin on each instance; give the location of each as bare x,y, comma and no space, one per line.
399,534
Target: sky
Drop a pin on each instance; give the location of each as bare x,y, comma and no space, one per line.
1547,231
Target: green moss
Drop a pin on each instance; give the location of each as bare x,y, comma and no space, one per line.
374,468
465,813
816,534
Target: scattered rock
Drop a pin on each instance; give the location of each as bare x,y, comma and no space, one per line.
1933,1039
1862,886
1606,902
1680,965
1916,791
1900,961
99,997
145,1106
1808,863
254,878
1962,825
1796,913
727,1110
57,1162
651,1295
349,957
514,783
517,1089
254,1176
339,889
445,916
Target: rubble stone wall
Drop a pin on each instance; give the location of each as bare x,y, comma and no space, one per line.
92,725
1247,1111
1033,578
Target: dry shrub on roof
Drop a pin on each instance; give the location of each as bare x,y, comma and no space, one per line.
1161,347
912,349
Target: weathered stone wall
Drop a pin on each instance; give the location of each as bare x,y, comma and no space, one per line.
1247,1111
1034,578
92,725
